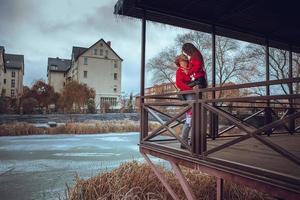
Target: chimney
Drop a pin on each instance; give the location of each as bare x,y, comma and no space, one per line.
109,43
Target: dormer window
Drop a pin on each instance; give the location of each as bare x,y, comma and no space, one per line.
54,67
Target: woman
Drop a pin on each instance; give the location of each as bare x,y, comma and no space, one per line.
182,81
196,65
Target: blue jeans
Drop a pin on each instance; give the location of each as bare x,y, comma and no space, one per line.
188,121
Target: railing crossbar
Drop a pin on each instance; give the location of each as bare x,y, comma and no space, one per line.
243,120
154,133
229,117
164,125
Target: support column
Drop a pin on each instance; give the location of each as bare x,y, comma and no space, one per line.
142,81
213,117
267,68
291,108
268,114
197,124
220,186
184,184
161,178
203,138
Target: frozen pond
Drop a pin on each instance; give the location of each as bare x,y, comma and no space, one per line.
38,167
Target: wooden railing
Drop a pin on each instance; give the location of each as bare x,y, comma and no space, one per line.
202,123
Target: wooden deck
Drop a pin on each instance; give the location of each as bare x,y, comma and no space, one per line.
249,158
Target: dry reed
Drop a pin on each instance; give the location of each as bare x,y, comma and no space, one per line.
90,127
135,180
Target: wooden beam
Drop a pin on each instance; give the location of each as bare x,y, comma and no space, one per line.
184,184
160,177
154,133
142,81
232,87
168,128
220,187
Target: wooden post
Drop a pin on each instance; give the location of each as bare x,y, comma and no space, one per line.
268,115
203,129
291,108
142,81
220,185
197,124
161,178
214,117
184,184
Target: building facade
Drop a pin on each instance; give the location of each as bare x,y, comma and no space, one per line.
2,69
57,71
13,75
98,66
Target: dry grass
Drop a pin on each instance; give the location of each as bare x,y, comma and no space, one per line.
134,180
90,127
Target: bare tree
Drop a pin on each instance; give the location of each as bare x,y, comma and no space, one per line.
163,66
279,66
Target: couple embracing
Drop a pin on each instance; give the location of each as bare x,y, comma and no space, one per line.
189,74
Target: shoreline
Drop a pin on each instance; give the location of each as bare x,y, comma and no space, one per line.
108,134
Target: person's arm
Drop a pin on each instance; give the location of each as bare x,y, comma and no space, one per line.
195,65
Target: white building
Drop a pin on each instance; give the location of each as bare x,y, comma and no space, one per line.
2,70
98,66
56,72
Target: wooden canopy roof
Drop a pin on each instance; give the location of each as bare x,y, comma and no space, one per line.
255,21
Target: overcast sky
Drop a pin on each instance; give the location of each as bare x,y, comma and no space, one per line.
39,29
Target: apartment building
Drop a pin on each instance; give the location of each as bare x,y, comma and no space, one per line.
57,71
2,69
13,75
98,66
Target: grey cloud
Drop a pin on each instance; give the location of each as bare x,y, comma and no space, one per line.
35,29
14,13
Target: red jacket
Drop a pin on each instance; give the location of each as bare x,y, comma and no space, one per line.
196,66
182,79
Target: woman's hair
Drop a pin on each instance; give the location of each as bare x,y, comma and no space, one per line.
189,49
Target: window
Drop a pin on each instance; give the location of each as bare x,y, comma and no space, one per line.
116,64
95,51
13,74
13,83
12,93
3,92
115,89
4,81
112,101
85,61
115,76
106,53
85,74
101,52
54,67
101,44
